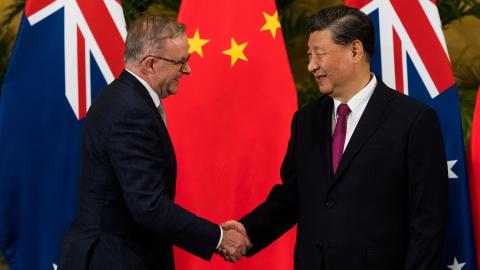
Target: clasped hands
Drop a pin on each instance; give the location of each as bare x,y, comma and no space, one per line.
235,242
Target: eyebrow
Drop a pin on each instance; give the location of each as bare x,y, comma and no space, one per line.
316,48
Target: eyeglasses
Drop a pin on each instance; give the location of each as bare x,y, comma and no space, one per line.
182,63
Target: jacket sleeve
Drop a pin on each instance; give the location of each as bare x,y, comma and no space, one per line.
428,193
278,213
142,164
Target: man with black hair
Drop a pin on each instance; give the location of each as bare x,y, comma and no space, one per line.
365,175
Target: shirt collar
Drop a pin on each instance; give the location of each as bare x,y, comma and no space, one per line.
151,92
359,98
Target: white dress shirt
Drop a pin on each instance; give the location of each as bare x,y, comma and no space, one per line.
357,105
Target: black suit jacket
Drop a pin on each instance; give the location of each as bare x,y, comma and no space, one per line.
127,218
385,208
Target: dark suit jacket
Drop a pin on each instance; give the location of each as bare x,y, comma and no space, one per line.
127,218
385,208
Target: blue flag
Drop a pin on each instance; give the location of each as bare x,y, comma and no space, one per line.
65,53
411,56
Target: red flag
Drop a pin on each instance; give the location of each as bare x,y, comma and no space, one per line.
230,122
474,174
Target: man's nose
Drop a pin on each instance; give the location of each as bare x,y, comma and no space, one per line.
186,69
312,65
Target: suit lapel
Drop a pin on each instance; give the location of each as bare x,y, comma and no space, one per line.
322,137
138,87
375,113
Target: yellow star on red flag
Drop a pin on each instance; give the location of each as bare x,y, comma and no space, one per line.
236,52
196,43
271,23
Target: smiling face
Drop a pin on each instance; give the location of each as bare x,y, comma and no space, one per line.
167,74
331,64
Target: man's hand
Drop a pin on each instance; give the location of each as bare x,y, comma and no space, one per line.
235,225
235,242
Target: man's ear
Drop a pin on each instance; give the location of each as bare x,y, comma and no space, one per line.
357,51
148,65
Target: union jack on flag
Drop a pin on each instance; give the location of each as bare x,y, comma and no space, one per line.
66,51
411,56
96,28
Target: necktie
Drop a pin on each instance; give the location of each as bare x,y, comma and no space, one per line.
161,110
338,139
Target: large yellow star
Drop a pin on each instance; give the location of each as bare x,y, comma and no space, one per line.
195,44
236,52
271,23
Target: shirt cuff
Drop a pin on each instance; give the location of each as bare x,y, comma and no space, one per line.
221,237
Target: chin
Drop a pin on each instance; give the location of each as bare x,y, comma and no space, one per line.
325,90
172,91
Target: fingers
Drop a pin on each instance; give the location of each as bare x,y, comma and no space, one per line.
235,225
224,254
221,251
234,244
248,244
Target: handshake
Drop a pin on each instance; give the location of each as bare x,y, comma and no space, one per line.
235,242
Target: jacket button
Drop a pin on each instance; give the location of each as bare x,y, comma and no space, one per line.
329,204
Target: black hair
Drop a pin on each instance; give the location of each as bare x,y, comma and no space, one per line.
346,24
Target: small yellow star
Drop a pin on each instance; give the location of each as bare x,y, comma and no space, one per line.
236,52
271,23
195,44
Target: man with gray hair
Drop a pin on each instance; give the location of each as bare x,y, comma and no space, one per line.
127,217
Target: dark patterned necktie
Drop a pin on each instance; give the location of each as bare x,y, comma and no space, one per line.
338,139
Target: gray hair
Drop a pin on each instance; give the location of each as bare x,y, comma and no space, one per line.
147,33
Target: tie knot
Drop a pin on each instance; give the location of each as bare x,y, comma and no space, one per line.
343,110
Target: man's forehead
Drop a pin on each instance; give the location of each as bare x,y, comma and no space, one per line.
320,34
317,38
176,41
177,45
179,39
